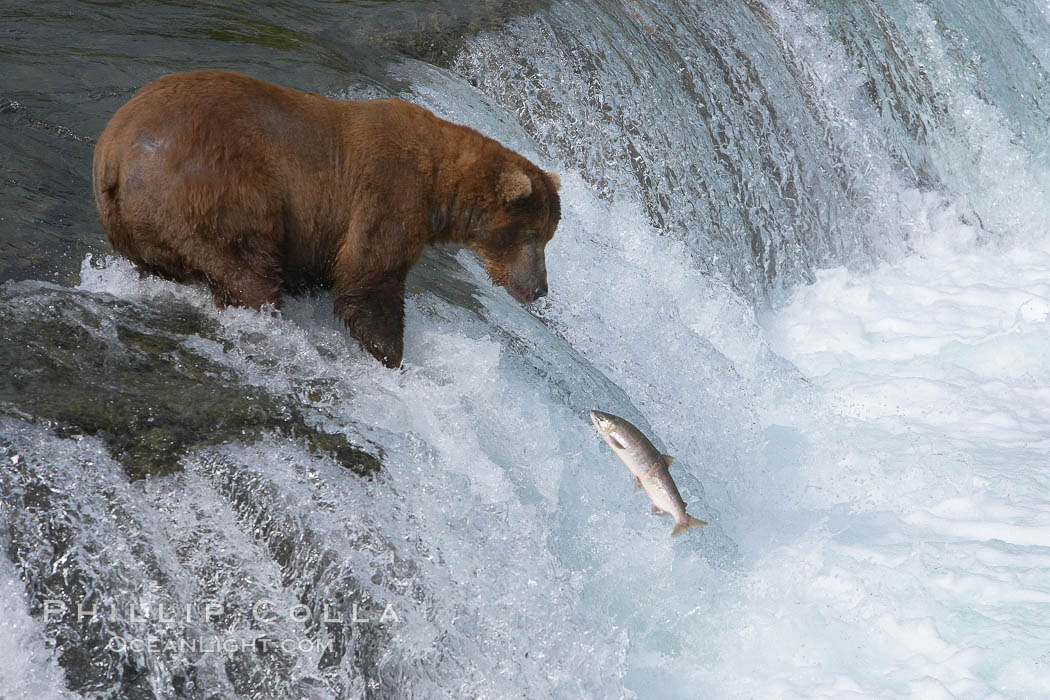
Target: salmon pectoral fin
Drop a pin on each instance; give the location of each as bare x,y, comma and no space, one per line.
637,484
689,523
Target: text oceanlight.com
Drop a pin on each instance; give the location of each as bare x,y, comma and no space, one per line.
217,645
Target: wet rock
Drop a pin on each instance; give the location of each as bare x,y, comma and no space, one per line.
91,365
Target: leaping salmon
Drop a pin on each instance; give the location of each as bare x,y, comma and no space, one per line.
649,466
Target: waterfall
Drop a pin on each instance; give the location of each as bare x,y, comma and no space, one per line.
314,525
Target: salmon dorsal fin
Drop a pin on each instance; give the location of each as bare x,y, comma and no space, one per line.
668,460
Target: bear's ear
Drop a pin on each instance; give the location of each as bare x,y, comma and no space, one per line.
554,179
514,184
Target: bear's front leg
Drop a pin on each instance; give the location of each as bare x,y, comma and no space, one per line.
368,276
375,315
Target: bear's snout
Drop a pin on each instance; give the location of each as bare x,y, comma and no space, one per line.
523,273
529,286
527,293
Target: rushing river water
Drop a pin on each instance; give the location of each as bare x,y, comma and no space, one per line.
803,246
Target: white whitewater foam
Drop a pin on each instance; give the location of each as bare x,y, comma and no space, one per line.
926,572
27,667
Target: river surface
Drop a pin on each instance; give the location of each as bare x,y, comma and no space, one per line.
803,246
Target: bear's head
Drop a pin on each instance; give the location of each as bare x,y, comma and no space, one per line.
519,220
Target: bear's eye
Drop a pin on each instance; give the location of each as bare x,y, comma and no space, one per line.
530,237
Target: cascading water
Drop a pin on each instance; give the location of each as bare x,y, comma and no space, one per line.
802,247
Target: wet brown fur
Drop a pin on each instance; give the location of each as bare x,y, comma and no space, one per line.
257,189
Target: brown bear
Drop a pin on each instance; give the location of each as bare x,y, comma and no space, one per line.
256,189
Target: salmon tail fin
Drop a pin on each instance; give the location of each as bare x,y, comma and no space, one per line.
688,524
